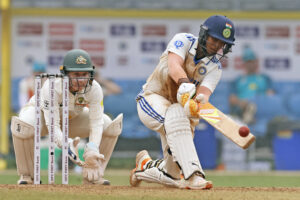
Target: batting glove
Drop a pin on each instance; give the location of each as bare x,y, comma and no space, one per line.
201,98
185,92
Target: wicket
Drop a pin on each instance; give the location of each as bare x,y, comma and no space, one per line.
51,129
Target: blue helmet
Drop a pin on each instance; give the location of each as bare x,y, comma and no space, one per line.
220,27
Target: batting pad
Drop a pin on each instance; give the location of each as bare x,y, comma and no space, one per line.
23,140
180,140
109,139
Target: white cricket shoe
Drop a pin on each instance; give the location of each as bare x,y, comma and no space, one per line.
101,181
197,182
150,171
141,159
25,179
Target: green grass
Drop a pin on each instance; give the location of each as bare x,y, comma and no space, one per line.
119,177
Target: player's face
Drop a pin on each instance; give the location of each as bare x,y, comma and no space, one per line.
213,45
78,80
251,67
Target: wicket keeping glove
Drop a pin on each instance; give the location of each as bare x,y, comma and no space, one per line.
73,151
91,169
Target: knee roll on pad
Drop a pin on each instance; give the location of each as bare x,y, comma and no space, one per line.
180,140
115,127
21,129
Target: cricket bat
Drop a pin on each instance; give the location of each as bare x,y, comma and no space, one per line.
225,125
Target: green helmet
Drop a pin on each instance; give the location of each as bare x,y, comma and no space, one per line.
77,60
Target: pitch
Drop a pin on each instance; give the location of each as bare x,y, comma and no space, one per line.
227,185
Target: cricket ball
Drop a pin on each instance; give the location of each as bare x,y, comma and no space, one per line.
244,131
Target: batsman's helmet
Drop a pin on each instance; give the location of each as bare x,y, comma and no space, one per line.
219,27
77,60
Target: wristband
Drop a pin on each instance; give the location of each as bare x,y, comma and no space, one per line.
183,80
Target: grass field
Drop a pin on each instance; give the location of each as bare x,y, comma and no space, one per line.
227,185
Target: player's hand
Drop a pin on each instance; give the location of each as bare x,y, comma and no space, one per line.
192,108
92,168
200,98
73,151
185,92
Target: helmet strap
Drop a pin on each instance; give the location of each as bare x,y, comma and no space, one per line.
227,49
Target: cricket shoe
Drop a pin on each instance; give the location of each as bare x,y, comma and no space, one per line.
25,180
141,159
101,181
197,182
150,171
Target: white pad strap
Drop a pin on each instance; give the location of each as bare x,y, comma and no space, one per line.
180,139
23,140
109,139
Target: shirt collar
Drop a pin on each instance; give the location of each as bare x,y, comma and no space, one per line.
193,47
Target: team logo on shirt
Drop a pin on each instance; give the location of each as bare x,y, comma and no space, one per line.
46,104
178,44
202,70
80,101
80,60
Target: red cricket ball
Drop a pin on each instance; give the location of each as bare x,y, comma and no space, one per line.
244,131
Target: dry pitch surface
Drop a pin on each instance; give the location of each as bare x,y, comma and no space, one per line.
121,189
144,192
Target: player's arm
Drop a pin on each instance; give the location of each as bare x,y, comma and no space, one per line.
92,168
203,94
58,135
45,101
186,90
176,72
96,112
208,85
177,50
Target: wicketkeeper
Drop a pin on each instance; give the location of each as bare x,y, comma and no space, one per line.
187,73
86,120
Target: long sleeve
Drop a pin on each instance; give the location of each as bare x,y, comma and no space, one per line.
96,111
45,103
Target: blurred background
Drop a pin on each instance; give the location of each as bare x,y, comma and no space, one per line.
125,39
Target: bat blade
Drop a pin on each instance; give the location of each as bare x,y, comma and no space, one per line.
225,125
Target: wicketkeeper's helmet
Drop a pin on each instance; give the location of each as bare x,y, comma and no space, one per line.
77,60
